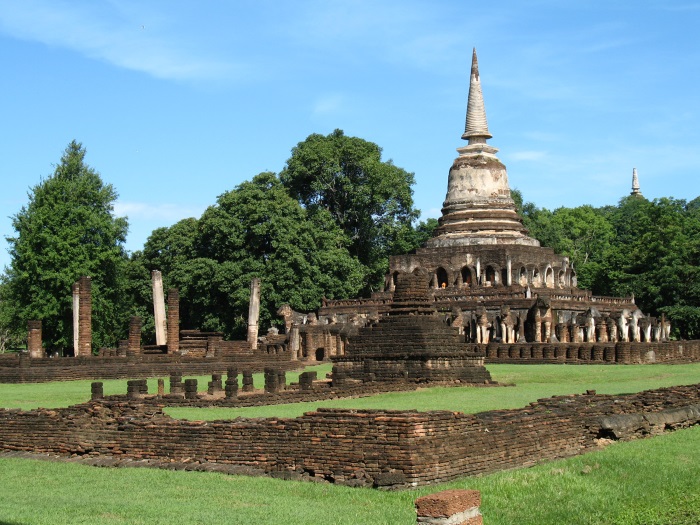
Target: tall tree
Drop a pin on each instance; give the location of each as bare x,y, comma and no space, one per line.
585,235
68,229
370,199
255,230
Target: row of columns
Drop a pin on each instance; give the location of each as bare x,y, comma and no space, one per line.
167,326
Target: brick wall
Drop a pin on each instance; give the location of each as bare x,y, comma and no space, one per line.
356,447
594,353
134,366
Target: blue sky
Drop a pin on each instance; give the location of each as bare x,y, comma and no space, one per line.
177,102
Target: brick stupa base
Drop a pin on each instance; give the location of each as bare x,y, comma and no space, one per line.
411,343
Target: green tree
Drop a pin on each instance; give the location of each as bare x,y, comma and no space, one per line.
10,336
67,229
585,236
536,220
255,230
656,256
168,249
370,199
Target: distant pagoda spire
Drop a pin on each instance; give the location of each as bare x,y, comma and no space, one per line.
636,192
476,129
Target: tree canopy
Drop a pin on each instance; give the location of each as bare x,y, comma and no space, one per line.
649,249
67,230
369,199
255,230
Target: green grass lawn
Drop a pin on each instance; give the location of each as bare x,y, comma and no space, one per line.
532,382
62,394
648,482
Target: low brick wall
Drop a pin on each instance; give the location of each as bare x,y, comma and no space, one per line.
21,369
593,353
321,391
356,447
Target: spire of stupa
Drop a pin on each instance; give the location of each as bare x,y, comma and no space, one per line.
635,184
476,128
478,208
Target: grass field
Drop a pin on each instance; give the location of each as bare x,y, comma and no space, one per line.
532,382
62,394
647,482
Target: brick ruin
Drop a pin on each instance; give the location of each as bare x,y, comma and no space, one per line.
411,343
380,448
82,317
487,276
450,507
189,351
480,291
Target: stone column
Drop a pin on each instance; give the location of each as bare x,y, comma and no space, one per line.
134,336
547,332
173,320
294,341
215,385
231,386
562,332
190,389
34,346
254,313
159,308
590,329
612,329
248,385
271,381
176,384
97,391
85,317
538,326
76,318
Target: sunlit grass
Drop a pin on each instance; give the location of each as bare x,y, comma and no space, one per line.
65,393
532,382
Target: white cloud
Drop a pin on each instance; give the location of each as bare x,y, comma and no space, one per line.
169,213
106,33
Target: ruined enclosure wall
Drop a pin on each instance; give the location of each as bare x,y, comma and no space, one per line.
15,370
594,353
385,448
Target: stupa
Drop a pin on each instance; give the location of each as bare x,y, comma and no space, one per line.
481,241
486,275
